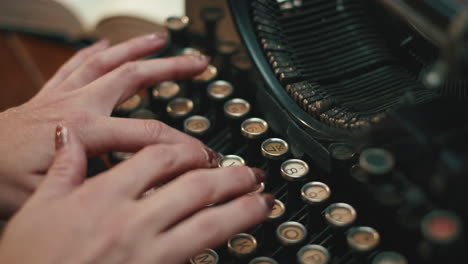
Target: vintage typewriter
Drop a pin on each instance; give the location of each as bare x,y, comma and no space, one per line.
359,118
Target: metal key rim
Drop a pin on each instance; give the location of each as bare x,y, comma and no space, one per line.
313,247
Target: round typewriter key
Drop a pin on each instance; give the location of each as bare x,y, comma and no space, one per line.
165,91
197,125
313,254
211,16
177,23
376,161
143,114
291,233
118,156
178,28
208,256
206,76
219,90
242,245
315,192
259,188
130,105
362,238
263,260
231,160
278,210
236,108
254,127
340,214
294,169
341,151
441,227
179,107
274,148
389,257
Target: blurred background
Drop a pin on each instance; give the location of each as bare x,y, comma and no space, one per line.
28,61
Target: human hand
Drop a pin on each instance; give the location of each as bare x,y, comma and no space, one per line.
104,220
81,95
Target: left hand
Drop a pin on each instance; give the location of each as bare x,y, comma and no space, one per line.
81,95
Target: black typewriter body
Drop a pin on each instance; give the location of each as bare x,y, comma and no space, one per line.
370,105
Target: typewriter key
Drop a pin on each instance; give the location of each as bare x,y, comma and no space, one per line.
242,245
211,16
130,105
340,215
362,238
376,161
259,188
313,254
236,109
315,194
442,233
143,114
263,260
178,28
219,90
291,233
207,75
294,171
118,156
389,257
197,126
231,160
179,108
275,150
165,91
277,212
208,256
226,49
242,68
254,128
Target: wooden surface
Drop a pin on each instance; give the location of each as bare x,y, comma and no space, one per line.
26,62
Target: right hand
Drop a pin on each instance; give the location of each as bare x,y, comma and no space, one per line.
104,219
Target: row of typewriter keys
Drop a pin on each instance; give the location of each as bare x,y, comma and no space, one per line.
290,184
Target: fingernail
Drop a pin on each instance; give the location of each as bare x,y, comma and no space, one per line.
202,57
61,136
157,35
258,174
212,156
269,201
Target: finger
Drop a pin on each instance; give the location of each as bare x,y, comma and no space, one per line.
114,88
196,190
74,62
156,164
111,58
106,134
69,167
212,226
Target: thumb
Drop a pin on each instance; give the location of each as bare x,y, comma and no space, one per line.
69,166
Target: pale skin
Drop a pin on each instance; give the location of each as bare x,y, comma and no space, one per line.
104,219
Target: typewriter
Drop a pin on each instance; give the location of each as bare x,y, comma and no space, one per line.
357,111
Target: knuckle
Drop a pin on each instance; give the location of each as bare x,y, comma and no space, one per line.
99,63
152,129
131,70
78,118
